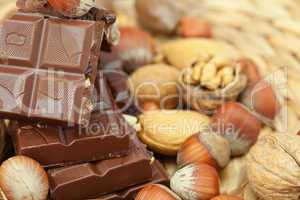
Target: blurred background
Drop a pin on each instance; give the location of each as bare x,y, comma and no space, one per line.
267,32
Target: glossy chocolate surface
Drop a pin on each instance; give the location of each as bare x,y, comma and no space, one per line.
91,180
159,176
117,80
107,136
48,67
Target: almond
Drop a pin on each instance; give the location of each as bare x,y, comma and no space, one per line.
182,53
157,84
164,131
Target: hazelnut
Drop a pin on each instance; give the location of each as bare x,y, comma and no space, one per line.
233,121
193,27
196,182
226,197
211,81
250,70
261,99
136,48
72,8
23,178
156,191
30,5
259,96
160,16
205,147
150,106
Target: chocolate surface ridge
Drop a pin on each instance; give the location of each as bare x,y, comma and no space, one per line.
106,136
159,177
48,67
91,180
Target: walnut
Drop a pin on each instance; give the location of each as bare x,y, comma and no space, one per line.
273,167
211,81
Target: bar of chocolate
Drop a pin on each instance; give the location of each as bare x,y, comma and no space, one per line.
91,180
107,136
117,80
159,177
48,67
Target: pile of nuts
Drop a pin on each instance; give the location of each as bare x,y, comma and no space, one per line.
211,72
205,148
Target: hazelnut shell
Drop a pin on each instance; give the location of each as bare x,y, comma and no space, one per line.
205,147
194,27
241,128
23,178
196,182
261,99
136,48
160,16
156,191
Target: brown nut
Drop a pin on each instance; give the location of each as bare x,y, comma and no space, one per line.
164,131
72,8
210,83
150,106
155,83
30,5
206,147
190,26
226,197
183,53
237,125
250,70
273,167
156,191
261,99
136,48
160,16
23,178
196,182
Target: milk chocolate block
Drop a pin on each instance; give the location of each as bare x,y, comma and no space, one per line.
48,67
91,180
159,177
59,146
117,80
107,136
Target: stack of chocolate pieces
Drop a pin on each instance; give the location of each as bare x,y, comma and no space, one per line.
66,118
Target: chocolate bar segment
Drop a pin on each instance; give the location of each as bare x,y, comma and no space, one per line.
106,136
48,67
117,80
159,177
58,146
91,180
